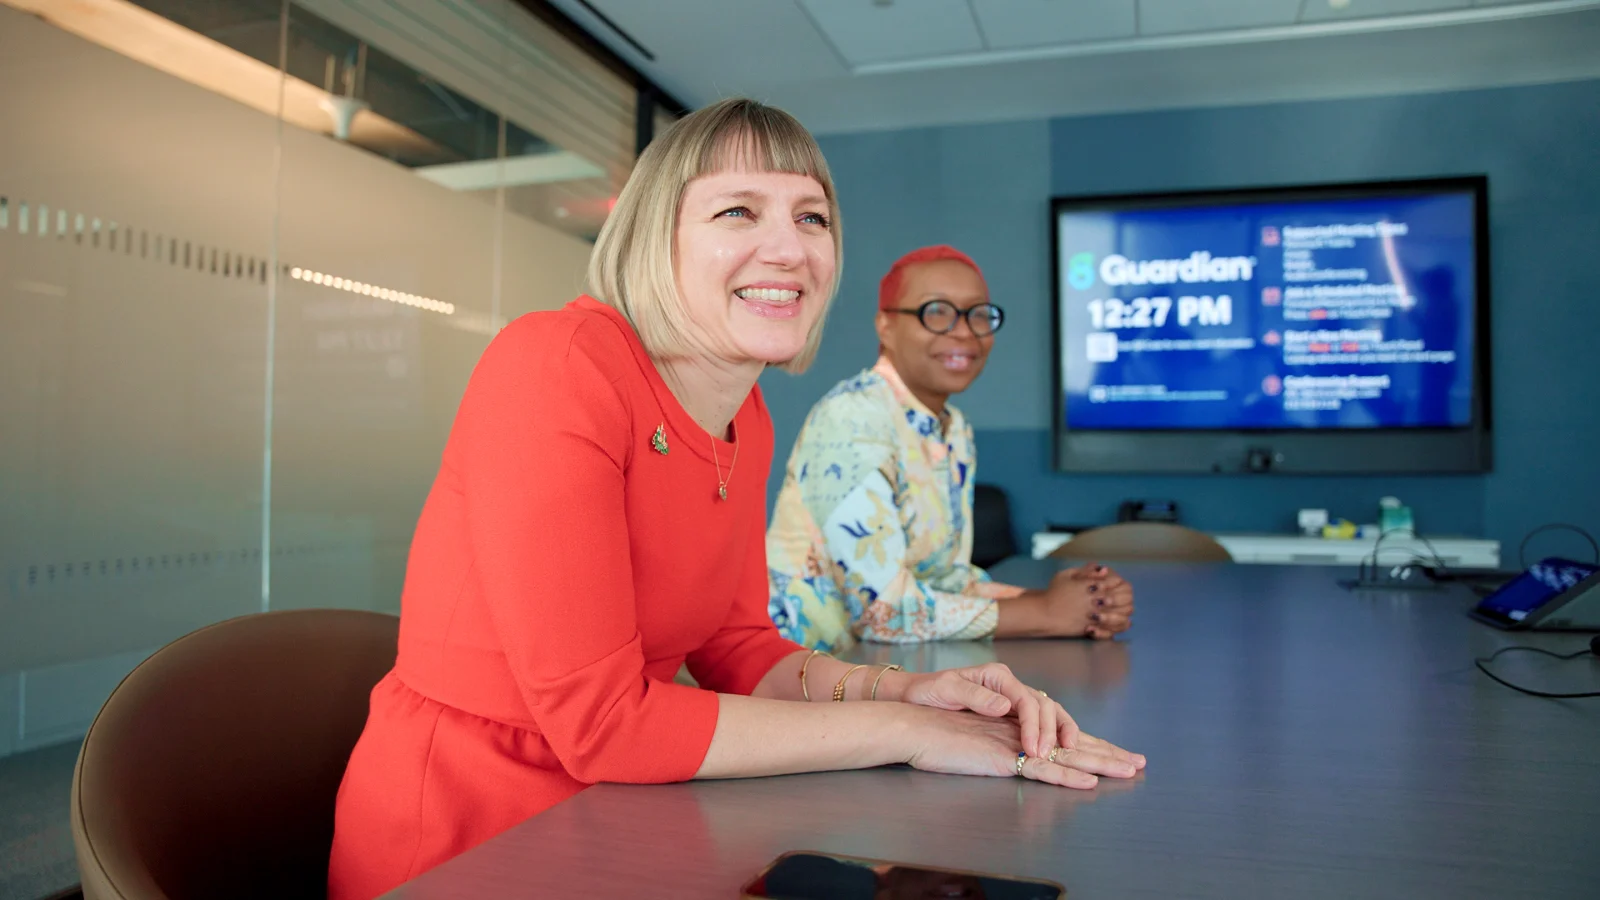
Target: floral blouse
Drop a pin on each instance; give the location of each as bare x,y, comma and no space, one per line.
872,534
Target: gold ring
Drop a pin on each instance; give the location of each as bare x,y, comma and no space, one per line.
1022,757
1043,694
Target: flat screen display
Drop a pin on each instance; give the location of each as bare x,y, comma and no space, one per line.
1345,309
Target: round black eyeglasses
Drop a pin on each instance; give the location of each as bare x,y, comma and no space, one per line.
941,316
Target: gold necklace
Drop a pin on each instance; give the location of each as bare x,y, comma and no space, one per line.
722,483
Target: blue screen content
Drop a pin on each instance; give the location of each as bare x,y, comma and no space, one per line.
1529,591
1341,314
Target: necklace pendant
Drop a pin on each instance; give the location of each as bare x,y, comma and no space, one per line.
658,441
722,491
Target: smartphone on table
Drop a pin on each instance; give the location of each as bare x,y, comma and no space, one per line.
808,875
1553,594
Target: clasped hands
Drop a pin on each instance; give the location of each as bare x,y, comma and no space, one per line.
1086,601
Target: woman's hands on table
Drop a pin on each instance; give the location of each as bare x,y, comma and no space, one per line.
1084,601
977,719
962,743
973,720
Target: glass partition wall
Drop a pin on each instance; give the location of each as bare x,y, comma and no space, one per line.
249,253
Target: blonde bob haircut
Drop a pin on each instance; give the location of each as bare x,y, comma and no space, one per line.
634,264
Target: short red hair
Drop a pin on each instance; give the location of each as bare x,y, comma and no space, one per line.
889,288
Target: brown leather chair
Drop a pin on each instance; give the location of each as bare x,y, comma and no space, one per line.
212,769
1144,541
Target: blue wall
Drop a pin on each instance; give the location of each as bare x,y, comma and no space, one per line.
986,189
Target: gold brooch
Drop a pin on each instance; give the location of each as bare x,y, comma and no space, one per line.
658,441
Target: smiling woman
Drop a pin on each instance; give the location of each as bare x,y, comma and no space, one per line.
872,535
590,531
699,184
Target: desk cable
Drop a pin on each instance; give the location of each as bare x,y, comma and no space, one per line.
1367,573
1522,549
1483,661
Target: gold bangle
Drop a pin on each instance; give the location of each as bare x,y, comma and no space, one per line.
886,670
838,689
804,692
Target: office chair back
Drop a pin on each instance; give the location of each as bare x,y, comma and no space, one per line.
212,769
992,539
1143,541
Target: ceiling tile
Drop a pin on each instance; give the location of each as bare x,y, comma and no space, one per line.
700,50
1012,24
772,49
1181,16
1325,11
865,32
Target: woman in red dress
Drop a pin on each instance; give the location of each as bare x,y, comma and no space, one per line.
598,520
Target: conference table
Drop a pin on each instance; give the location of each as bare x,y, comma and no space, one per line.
1304,740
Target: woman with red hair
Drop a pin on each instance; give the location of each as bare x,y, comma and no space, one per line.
872,537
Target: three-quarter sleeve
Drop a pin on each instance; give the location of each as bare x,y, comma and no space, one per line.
541,445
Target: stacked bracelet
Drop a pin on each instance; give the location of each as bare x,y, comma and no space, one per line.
886,670
838,689
804,691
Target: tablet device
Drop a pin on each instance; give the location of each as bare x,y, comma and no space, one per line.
1555,594
805,875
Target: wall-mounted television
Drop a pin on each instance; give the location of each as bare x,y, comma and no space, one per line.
1310,329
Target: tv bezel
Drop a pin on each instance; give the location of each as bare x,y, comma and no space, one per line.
1400,450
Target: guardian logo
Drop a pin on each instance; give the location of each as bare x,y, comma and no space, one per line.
1200,266
1080,271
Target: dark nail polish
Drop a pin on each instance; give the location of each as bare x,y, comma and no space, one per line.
1100,602
1094,588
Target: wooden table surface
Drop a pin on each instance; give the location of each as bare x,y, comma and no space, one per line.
1304,741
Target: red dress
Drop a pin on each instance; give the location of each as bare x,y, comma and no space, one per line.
562,570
